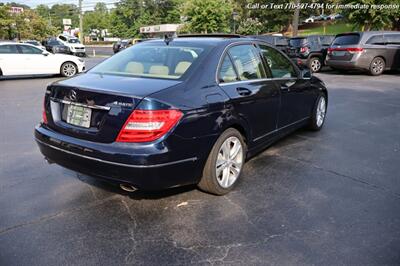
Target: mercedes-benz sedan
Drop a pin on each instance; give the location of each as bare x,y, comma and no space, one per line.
167,113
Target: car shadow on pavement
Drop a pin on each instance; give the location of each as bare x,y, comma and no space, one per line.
113,187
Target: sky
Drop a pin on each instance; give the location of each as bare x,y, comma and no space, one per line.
86,4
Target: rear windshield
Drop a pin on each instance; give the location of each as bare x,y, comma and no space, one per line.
297,42
347,39
152,60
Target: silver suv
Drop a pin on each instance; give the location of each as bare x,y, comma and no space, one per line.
371,51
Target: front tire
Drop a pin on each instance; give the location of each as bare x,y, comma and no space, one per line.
68,69
319,113
224,164
377,66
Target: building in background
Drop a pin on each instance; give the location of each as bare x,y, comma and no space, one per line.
155,31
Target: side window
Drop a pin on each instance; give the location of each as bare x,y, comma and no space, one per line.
227,72
29,49
63,38
280,66
247,62
376,40
393,39
8,49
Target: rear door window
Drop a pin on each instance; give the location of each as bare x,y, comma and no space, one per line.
393,39
8,49
327,40
280,66
376,40
348,39
247,62
25,49
227,71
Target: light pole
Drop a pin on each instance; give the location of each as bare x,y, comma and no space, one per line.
80,22
234,15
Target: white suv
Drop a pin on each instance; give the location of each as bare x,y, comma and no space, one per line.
73,43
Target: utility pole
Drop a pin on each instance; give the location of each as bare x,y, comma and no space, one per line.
80,22
295,25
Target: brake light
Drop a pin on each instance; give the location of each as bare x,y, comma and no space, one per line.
148,125
44,116
303,49
351,50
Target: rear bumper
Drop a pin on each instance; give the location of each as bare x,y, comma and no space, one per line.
358,64
144,166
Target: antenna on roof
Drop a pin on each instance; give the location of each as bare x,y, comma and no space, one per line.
168,38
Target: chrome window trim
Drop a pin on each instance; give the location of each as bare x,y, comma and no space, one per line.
256,43
99,107
192,159
253,80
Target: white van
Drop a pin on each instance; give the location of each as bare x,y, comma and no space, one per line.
73,43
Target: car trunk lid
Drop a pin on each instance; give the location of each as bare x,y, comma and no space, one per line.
95,107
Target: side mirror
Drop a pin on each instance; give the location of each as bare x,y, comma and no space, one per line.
305,73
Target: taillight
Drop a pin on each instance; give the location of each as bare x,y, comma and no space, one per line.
44,116
303,49
148,125
351,50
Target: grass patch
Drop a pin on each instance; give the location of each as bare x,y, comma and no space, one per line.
332,29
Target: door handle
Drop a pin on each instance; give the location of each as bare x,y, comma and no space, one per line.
243,91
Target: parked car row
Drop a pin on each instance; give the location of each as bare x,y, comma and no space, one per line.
123,44
313,19
373,51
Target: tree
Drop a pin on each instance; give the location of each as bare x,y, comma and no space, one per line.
99,18
207,16
5,22
250,26
371,18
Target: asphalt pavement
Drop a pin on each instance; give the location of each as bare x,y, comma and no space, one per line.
323,198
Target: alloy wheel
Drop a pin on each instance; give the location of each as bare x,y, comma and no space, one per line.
321,111
315,65
229,162
69,69
377,65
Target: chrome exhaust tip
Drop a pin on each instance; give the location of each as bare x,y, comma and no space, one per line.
127,188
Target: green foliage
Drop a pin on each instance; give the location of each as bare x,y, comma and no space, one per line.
373,19
99,18
207,16
250,26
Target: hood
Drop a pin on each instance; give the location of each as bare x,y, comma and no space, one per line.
121,85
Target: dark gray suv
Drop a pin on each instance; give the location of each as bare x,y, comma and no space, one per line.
372,51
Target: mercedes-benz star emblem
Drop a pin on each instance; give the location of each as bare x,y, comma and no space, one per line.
72,95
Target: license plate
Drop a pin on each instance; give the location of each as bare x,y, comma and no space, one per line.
338,53
79,116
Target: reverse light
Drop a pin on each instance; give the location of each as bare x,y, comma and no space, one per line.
148,125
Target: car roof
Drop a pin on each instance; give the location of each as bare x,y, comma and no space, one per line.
208,40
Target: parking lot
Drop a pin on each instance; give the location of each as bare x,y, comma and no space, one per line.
331,197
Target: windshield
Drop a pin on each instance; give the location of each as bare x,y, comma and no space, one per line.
33,43
73,41
348,39
297,42
153,60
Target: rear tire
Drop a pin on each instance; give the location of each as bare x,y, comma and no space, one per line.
377,66
315,64
319,113
224,164
68,69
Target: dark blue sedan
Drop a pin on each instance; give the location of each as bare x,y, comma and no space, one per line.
189,110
